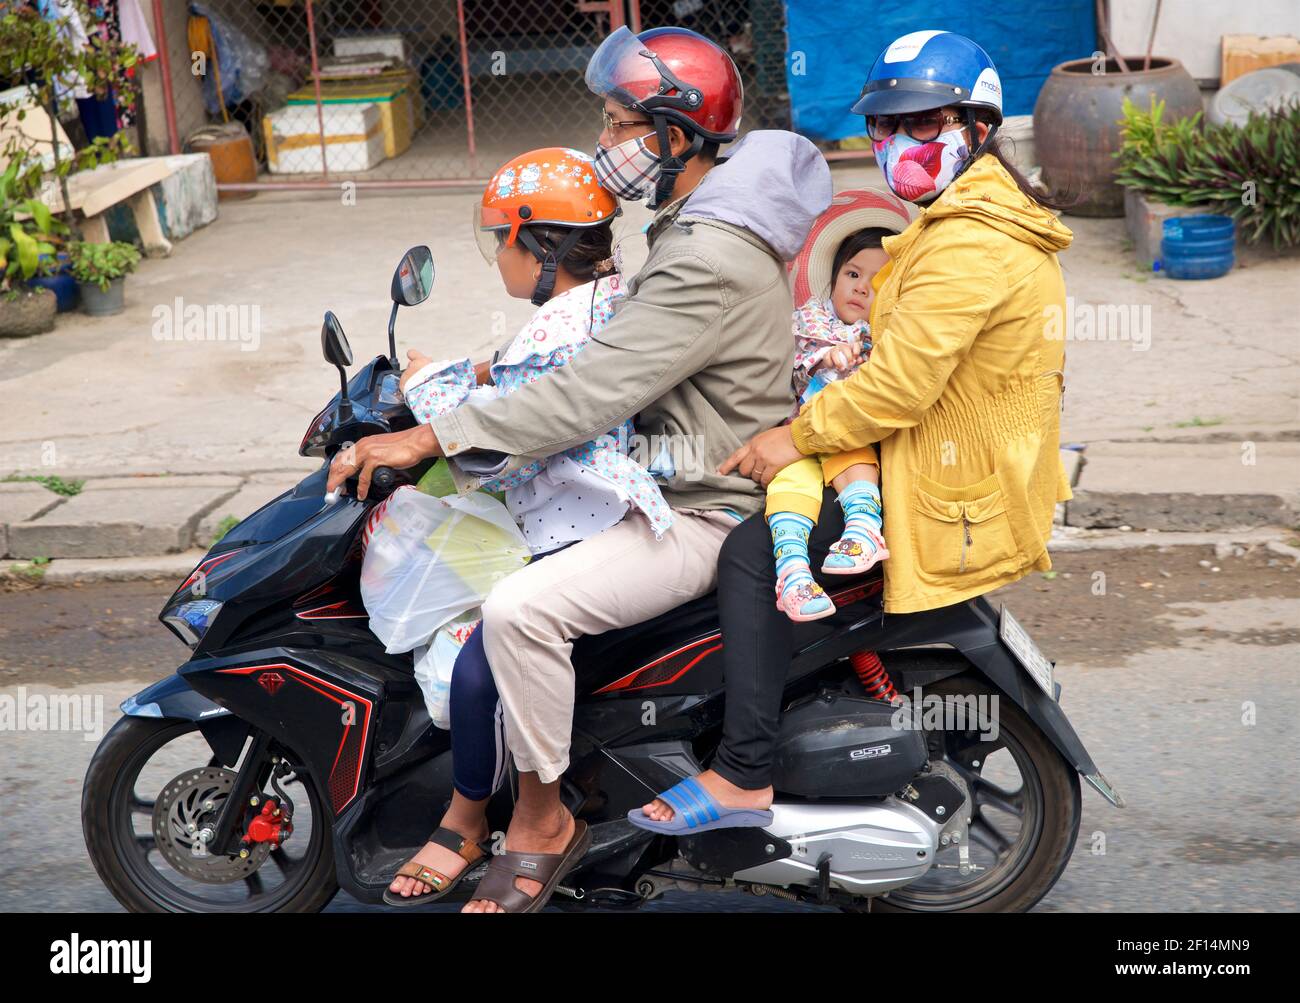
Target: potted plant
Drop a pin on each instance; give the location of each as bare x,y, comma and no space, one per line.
1187,167
101,271
1144,136
47,55
27,231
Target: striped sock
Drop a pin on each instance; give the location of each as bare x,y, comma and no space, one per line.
790,548
861,504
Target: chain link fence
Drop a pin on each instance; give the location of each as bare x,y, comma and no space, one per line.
425,92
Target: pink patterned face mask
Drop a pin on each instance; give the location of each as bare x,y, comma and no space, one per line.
919,171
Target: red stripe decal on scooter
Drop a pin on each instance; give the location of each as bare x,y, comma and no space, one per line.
344,610
628,682
338,802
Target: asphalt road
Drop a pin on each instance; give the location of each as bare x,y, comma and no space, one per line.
1180,678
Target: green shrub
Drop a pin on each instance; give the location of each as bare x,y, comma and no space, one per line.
27,228
1250,173
224,527
100,264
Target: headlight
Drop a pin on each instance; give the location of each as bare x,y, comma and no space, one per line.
318,433
191,620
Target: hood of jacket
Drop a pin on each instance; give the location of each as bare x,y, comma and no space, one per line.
773,183
987,193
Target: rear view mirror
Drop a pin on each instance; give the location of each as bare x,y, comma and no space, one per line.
413,280
334,343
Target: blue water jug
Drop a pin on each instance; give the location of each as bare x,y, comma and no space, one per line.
1198,247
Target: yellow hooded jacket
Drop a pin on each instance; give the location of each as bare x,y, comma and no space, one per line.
962,391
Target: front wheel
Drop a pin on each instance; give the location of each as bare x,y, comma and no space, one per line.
151,793
1024,806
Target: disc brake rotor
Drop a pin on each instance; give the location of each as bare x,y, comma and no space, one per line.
185,820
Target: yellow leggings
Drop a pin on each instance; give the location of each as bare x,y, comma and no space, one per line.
798,488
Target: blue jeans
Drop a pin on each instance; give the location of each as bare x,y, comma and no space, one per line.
478,732
478,740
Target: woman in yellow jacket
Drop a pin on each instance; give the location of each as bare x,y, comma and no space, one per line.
962,392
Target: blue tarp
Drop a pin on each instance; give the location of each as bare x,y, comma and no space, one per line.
835,43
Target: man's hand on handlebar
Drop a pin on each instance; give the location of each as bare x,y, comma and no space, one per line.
394,449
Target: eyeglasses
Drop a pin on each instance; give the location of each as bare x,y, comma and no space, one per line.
611,125
923,126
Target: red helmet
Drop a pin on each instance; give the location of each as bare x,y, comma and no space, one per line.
673,72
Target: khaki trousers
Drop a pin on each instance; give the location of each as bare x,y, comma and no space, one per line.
615,579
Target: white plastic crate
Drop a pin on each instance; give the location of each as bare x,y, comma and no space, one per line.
354,139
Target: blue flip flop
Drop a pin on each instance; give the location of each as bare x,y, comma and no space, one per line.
696,810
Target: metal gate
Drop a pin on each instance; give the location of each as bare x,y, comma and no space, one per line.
422,93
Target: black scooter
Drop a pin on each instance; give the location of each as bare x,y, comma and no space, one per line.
290,756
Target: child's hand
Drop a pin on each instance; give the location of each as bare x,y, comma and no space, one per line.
844,356
417,362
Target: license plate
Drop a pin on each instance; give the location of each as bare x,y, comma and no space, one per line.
1026,652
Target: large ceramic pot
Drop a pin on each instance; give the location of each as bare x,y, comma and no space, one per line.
1077,123
31,312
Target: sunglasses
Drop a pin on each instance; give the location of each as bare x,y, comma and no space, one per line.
923,126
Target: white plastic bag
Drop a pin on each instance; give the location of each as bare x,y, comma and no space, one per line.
434,662
428,560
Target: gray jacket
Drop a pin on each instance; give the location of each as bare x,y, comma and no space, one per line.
700,353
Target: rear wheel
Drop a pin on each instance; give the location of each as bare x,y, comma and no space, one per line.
153,790
1024,806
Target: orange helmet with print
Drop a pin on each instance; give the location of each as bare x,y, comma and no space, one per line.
553,187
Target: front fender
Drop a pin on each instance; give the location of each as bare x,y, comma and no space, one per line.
173,698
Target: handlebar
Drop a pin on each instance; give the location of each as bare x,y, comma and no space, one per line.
386,479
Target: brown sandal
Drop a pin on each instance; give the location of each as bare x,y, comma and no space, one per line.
498,884
438,883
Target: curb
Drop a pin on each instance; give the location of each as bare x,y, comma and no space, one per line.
1071,540
1065,540
1215,485
86,571
128,517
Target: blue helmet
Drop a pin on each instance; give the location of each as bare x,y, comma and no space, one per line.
930,69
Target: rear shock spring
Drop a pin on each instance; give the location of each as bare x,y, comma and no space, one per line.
872,675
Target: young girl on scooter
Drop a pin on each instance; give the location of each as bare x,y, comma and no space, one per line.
832,336
544,222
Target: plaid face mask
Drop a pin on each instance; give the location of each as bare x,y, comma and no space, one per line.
629,170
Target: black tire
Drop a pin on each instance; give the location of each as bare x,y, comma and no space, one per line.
1061,808
111,768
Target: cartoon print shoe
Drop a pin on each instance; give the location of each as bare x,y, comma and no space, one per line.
852,557
803,601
